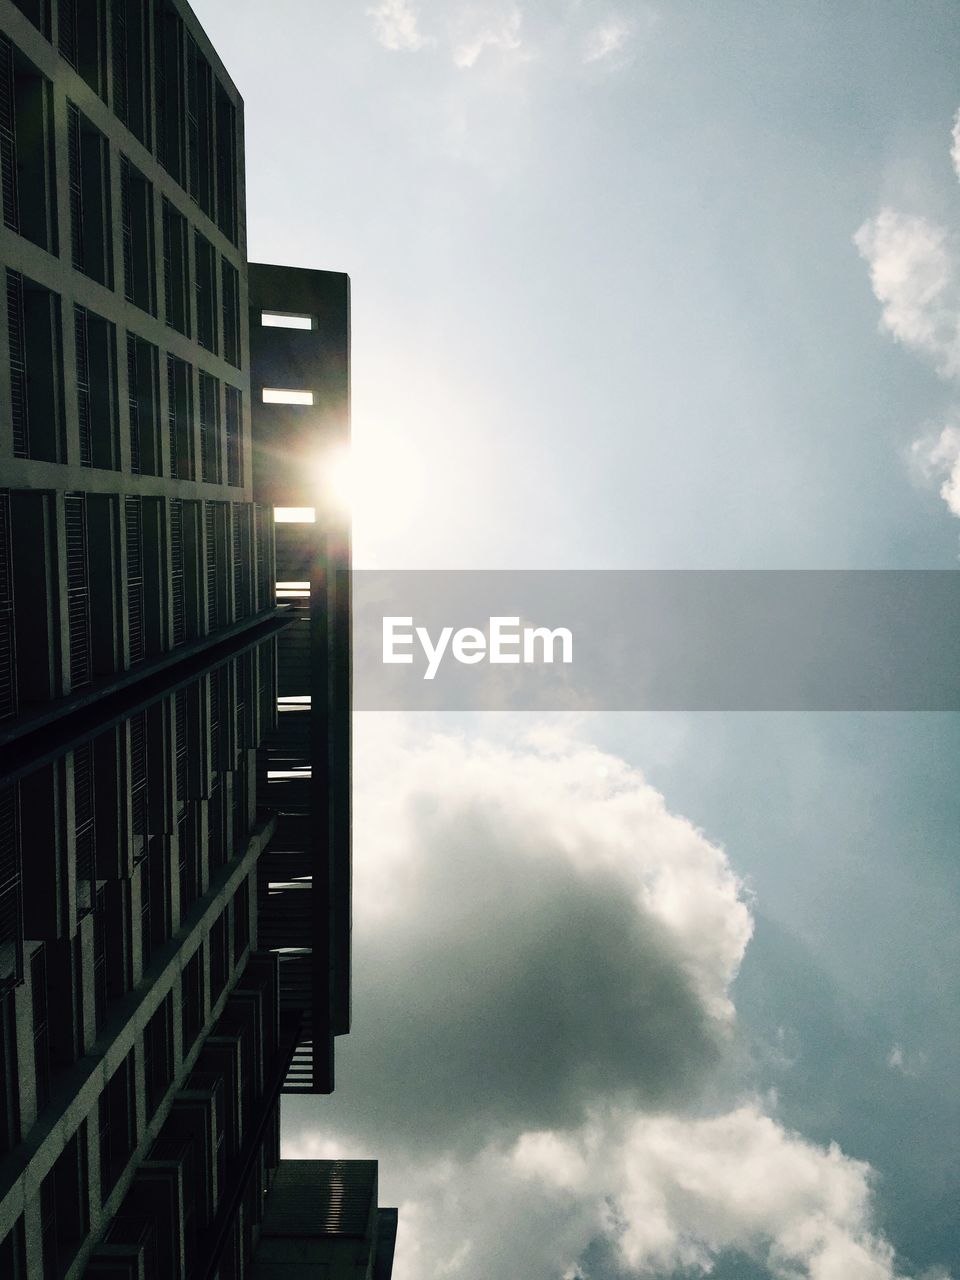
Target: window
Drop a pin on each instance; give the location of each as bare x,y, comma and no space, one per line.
219,956
83,40
215,514
240,548
13,1253
192,998
170,88
33,321
131,80
41,1025
180,418
78,590
158,1053
233,422
64,1206
136,208
89,180
26,129
226,165
285,320
8,645
210,447
285,395
241,919
143,401
176,270
38,11
230,284
9,1079
84,807
199,127
206,266
97,409
118,1125
133,522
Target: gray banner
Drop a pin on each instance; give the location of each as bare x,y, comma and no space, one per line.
881,640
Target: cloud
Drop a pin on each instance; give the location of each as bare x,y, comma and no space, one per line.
607,39
397,26
482,29
913,273
542,1004
955,147
937,457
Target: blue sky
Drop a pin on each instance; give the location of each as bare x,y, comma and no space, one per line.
670,285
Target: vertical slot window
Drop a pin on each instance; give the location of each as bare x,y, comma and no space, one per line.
206,270
226,165
8,644
89,181
25,148
86,829
170,88
200,127
11,899
192,998
230,289
137,738
64,1206
158,1053
97,408
41,1026
133,520
83,40
210,451
176,570
211,522
176,270
78,589
241,560
180,418
143,397
131,85
219,956
33,320
233,422
136,204
118,1125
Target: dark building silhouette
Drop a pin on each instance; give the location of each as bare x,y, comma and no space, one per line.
174,728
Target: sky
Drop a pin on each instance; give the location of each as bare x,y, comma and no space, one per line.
665,285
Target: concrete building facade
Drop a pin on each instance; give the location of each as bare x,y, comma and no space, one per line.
174,917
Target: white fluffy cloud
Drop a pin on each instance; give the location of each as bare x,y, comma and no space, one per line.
913,272
397,26
544,956
937,457
608,40
955,147
479,28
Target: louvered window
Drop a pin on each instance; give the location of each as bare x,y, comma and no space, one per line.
75,180
18,366
206,268
213,517
137,732
230,290
8,137
84,412
241,919
180,418
133,403
210,429
233,421
78,589
176,271
180,748
11,902
238,548
136,211
261,534
199,126
168,45
85,816
215,842
82,40
226,165
41,1025
130,77
89,184
176,566
8,647
100,956
133,519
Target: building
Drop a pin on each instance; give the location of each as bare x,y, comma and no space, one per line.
174,853
322,1219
